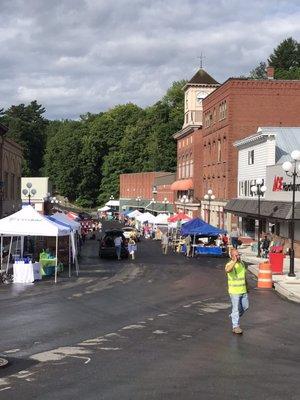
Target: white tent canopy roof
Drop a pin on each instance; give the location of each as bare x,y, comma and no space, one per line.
103,209
161,219
146,217
113,203
134,214
71,222
28,222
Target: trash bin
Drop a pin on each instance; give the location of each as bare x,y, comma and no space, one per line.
276,261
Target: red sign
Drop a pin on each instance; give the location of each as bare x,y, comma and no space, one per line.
278,184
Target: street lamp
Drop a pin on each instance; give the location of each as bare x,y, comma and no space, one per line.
259,190
290,169
30,192
138,199
111,197
153,202
209,196
184,200
165,202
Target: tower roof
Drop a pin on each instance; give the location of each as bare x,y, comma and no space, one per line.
201,77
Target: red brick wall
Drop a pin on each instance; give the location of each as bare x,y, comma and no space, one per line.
250,104
138,184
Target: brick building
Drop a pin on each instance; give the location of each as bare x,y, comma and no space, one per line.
10,174
234,111
187,187
147,191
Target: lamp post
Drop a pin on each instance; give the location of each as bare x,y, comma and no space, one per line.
165,202
259,190
209,196
29,192
290,169
184,200
111,197
153,202
138,199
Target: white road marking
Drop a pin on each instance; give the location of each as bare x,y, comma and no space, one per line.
163,315
133,327
150,319
159,332
11,351
110,348
112,335
59,354
3,381
6,388
187,306
87,359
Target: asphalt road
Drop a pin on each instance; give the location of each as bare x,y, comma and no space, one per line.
155,328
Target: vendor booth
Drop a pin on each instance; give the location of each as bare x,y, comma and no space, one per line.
201,229
28,222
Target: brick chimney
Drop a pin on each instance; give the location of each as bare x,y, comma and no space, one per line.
270,72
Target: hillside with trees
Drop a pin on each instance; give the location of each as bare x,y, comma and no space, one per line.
84,158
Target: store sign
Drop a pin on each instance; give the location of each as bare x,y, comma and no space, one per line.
279,185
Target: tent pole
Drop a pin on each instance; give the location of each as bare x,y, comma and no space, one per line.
1,251
9,252
56,254
194,245
70,256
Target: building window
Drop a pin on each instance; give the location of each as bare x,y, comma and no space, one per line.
251,157
192,169
241,188
219,150
222,110
12,187
6,183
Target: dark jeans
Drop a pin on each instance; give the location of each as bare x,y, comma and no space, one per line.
234,242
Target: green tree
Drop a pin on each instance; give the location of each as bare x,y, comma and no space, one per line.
286,55
62,158
27,126
259,72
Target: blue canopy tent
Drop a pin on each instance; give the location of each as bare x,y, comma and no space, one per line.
200,228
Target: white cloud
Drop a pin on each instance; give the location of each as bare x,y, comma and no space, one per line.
75,56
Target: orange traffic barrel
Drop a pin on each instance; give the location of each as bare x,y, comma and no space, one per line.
265,276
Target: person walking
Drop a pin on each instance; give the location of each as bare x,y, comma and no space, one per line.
164,243
132,247
118,246
234,238
237,288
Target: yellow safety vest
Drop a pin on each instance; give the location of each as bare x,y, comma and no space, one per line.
237,279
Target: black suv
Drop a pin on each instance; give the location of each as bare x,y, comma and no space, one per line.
107,244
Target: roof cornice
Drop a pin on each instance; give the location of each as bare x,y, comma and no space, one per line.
186,131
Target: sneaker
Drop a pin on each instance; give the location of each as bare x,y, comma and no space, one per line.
237,330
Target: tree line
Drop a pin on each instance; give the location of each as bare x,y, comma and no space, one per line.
84,158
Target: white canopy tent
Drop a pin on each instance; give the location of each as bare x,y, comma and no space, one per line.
146,217
161,219
134,214
104,208
28,222
71,222
113,203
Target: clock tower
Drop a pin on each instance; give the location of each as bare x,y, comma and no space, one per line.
201,85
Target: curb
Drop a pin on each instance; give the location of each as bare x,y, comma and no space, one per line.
280,288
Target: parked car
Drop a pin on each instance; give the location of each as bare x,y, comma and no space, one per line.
129,232
107,244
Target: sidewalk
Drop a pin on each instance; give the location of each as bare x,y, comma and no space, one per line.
286,286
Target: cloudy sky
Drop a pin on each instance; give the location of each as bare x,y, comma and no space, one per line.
75,56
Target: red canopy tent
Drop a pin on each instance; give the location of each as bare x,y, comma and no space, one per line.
179,217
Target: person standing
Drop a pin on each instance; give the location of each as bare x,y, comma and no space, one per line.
188,242
237,288
118,246
164,243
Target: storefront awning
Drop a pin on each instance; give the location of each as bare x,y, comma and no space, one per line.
277,210
183,184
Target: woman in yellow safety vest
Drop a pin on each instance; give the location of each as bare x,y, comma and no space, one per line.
237,288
